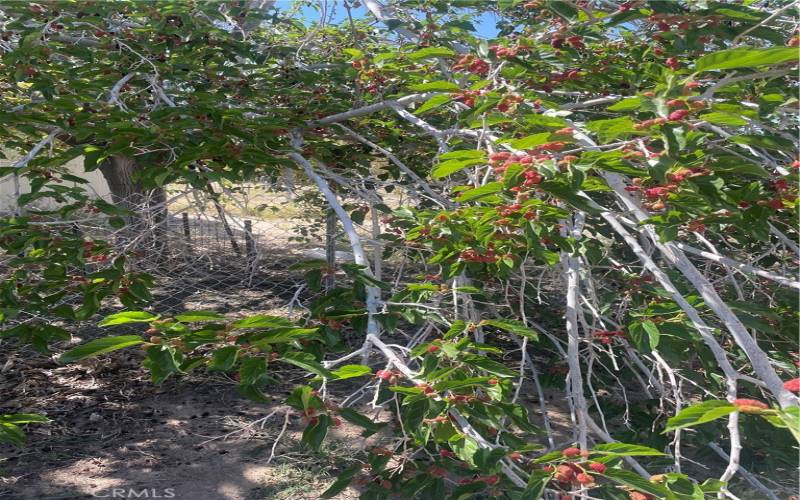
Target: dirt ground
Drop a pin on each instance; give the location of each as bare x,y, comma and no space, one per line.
115,434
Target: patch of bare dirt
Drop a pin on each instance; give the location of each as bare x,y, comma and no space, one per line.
115,435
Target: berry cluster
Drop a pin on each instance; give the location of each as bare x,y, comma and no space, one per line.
468,96
607,336
508,103
531,176
576,42
572,473
750,406
391,376
502,52
472,64
470,255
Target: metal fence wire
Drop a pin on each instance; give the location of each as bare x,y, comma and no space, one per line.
231,253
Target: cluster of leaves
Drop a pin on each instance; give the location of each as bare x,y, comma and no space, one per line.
10,430
200,93
56,274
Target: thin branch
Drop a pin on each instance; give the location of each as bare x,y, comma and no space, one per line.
739,266
402,166
465,426
372,108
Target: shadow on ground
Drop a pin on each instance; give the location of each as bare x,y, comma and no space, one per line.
114,434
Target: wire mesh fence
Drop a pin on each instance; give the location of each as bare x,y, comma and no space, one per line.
228,253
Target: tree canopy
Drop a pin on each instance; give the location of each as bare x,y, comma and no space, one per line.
643,152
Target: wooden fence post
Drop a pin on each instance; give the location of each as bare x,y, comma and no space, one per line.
249,242
187,232
250,250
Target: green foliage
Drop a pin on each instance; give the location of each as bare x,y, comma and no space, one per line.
99,346
691,130
700,413
10,430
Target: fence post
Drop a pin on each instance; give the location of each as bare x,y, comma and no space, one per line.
249,242
250,251
186,232
221,213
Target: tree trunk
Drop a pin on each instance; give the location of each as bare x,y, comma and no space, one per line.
148,211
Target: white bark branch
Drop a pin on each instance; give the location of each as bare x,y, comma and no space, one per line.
372,108
402,166
359,255
739,266
462,422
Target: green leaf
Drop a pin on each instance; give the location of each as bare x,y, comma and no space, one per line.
456,328
745,58
637,482
737,12
488,365
199,316
513,326
549,457
791,418
450,385
433,102
127,317
306,361
282,335
467,491
360,420
626,450
303,398
351,371
629,104
263,321
724,119
162,363
342,481
11,434
462,154
764,141
529,141
431,52
252,371
652,333
547,121
353,53
110,209
223,358
441,86
452,166
313,435
465,448
23,418
700,414
578,199
609,130
253,393
537,482
100,346
738,166
486,189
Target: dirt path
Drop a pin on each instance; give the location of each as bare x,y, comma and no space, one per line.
115,435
